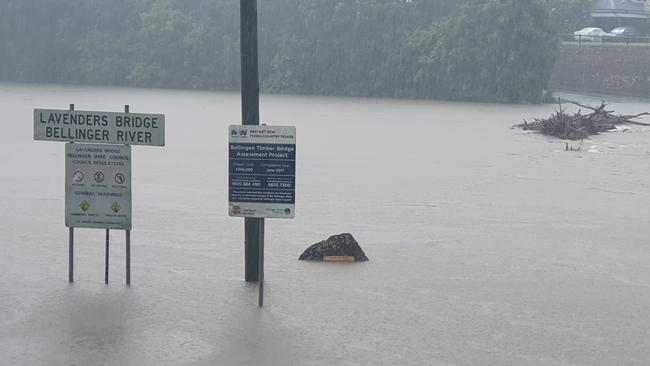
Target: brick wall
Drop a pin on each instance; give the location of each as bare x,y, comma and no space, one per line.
605,69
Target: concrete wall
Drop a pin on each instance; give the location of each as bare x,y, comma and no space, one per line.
603,69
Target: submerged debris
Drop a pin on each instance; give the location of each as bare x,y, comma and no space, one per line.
579,126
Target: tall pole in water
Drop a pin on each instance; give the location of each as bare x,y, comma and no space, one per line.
71,243
250,92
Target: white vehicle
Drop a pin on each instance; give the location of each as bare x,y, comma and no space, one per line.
590,34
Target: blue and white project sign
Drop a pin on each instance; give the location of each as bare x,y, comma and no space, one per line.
262,171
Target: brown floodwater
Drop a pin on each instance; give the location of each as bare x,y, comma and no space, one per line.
487,245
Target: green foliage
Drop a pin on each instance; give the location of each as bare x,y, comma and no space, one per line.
102,60
165,36
492,50
477,50
332,47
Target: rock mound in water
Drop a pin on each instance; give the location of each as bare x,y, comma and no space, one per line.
341,245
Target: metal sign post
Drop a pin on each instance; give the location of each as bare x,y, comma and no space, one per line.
71,243
261,178
128,237
250,91
98,189
128,257
98,173
71,255
106,266
128,244
260,296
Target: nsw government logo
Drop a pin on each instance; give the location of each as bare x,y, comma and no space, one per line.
235,209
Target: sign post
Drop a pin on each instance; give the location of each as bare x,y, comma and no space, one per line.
262,177
71,255
106,259
70,242
250,91
98,167
128,231
260,295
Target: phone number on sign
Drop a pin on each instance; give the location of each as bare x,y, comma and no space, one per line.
246,184
279,185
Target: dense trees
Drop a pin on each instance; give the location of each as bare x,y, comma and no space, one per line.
493,50
450,49
344,47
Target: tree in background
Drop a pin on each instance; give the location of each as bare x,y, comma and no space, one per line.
29,52
343,47
491,50
105,44
487,50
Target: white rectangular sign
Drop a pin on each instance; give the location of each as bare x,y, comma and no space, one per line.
262,171
99,127
98,186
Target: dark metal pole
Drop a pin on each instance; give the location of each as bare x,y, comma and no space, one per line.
128,238
71,256
106,269
71,244
128,257
260,300
250,91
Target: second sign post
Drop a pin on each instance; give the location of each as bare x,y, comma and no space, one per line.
262,177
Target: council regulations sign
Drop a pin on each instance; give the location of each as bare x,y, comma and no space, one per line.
98,186
99,127
262,171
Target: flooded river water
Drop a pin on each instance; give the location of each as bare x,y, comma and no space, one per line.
487,245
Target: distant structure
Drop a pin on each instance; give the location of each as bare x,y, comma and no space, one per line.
609,14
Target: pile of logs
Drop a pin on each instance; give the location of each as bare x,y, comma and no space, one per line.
579,126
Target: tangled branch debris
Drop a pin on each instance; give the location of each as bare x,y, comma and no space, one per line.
579,126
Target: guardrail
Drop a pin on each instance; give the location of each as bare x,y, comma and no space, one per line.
605,39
